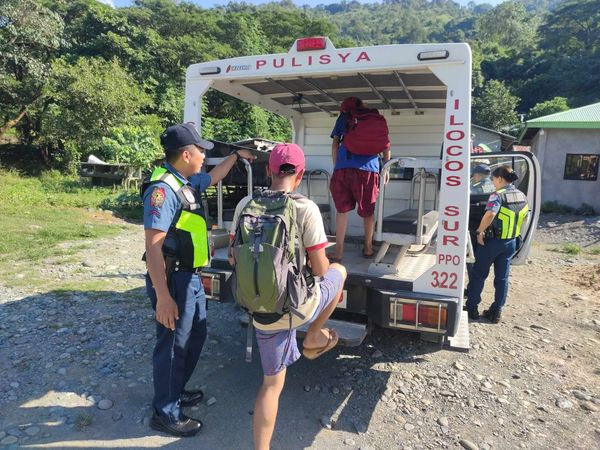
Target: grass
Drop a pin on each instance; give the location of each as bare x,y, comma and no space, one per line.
82,421
594,250
37,213
571,249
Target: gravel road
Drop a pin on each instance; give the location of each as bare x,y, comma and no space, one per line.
76,365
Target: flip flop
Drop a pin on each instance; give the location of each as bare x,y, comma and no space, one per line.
333,259
314,353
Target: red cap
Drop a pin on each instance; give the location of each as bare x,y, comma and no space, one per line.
286,154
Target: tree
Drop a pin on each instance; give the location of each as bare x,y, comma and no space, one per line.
30,36
495,106
573,27
557,104
89,98
509,25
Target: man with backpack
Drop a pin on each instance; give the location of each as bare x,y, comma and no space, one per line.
359,136
176,248
283,278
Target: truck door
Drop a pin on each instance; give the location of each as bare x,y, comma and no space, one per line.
529,182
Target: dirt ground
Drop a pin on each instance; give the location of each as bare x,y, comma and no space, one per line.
76,364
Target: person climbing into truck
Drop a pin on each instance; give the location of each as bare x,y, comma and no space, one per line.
272,231
359,136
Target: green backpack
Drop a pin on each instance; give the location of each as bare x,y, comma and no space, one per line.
267,280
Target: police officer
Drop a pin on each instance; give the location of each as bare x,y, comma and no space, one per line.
176,247
480,180
497,237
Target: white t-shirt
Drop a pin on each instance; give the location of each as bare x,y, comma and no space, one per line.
312,237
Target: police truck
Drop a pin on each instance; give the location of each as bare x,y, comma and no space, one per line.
417,278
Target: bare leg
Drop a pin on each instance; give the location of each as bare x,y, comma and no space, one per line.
341,224
315,337
265,410
369,230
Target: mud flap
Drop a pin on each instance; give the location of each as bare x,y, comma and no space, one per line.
460,341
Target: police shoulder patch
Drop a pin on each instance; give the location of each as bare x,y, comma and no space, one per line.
157,198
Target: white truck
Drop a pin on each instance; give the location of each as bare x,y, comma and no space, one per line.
417,278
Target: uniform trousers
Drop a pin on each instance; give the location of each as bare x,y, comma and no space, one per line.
496,252
176,353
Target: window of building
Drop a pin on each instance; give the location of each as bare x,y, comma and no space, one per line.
581,167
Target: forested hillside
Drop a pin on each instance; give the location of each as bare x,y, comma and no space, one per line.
78,77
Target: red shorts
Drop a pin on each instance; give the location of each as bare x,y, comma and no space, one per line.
352,186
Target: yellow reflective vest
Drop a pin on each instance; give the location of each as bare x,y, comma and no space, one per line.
187,238
513,211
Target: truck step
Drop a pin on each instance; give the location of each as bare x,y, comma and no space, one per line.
351,334
461,342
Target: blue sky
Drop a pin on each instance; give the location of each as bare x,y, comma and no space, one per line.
209,3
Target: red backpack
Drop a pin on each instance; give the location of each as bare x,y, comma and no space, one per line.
366,132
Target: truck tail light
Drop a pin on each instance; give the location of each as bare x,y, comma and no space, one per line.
314,43
411,314
212,285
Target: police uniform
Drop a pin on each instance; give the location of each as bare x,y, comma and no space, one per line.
172,205
483,186
511,208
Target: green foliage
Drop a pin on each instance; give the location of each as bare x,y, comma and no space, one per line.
90,97
134,145
555,207
593,250
126,204
509,26
51,51
555,105
585,210
495,106
558,208
571,249
30,35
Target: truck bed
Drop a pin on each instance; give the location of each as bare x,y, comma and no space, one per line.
411,267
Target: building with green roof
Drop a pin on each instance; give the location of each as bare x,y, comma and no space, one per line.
567,145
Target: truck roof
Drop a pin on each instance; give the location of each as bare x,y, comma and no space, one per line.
315,78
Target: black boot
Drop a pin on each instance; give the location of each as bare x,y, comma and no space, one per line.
492,315
473,314
184,427
191,398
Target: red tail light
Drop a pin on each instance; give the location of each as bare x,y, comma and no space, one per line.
420,314
212,285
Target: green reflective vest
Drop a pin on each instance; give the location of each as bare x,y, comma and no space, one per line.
513,210
187,238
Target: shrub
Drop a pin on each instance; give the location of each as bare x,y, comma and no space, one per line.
138,146
128,204
571,249
585,210
555,207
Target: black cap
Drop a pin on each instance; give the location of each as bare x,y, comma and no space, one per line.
182,134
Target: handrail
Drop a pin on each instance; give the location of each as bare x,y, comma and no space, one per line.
214,161
384,171
248,167
312,172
